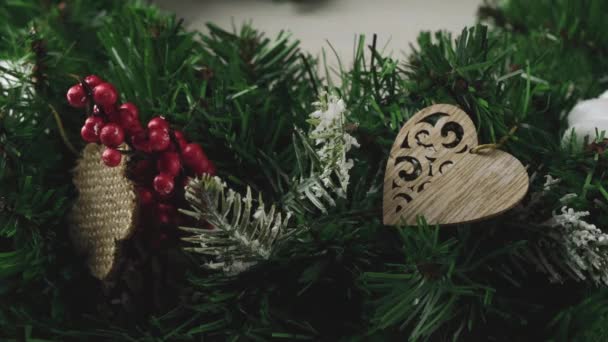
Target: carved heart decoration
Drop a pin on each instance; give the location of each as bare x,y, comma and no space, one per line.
432,172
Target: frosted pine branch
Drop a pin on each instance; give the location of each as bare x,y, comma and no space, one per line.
332,142
568,246
550,182
325,147
585,246
239,233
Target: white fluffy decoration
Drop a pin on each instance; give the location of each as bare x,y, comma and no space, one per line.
587,117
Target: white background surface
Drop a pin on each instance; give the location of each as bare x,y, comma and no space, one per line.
314,22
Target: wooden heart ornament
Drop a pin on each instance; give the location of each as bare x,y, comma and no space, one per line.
432,172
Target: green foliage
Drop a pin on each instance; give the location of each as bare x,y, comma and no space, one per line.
407,302
244,97
585,321
254,100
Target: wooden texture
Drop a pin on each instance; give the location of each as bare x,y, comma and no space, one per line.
431,172
104,212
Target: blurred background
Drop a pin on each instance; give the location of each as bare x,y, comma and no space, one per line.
314,22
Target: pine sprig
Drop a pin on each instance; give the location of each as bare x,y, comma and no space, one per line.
310,192
323,167
434,287
240,233
566,246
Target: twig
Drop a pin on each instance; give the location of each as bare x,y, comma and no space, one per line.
64,136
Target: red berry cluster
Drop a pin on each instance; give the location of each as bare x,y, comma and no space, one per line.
164,155
109,123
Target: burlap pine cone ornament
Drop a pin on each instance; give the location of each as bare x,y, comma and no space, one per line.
104,213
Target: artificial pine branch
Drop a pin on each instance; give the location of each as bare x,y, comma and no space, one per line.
323,152
433,286
565,247
239,233
239,238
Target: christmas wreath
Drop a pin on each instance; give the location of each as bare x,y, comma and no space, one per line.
158,184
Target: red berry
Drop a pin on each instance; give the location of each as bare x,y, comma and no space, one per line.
166,213
157,241
93,81
108,112
97,111
163,184
172,147
112,135
134,129
142,166
169,163
141,142
131,108
111,157
179,135
95,123
159,139
76,96
112,113
127,119
105,94
158,122
211,170
201,166
114,118
146,197
88,134
181,139
143,171
164,218
193,154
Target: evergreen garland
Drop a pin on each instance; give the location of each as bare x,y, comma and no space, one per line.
245,96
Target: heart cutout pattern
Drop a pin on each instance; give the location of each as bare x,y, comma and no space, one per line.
431,172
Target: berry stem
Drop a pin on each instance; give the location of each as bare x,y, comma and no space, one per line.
89,92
